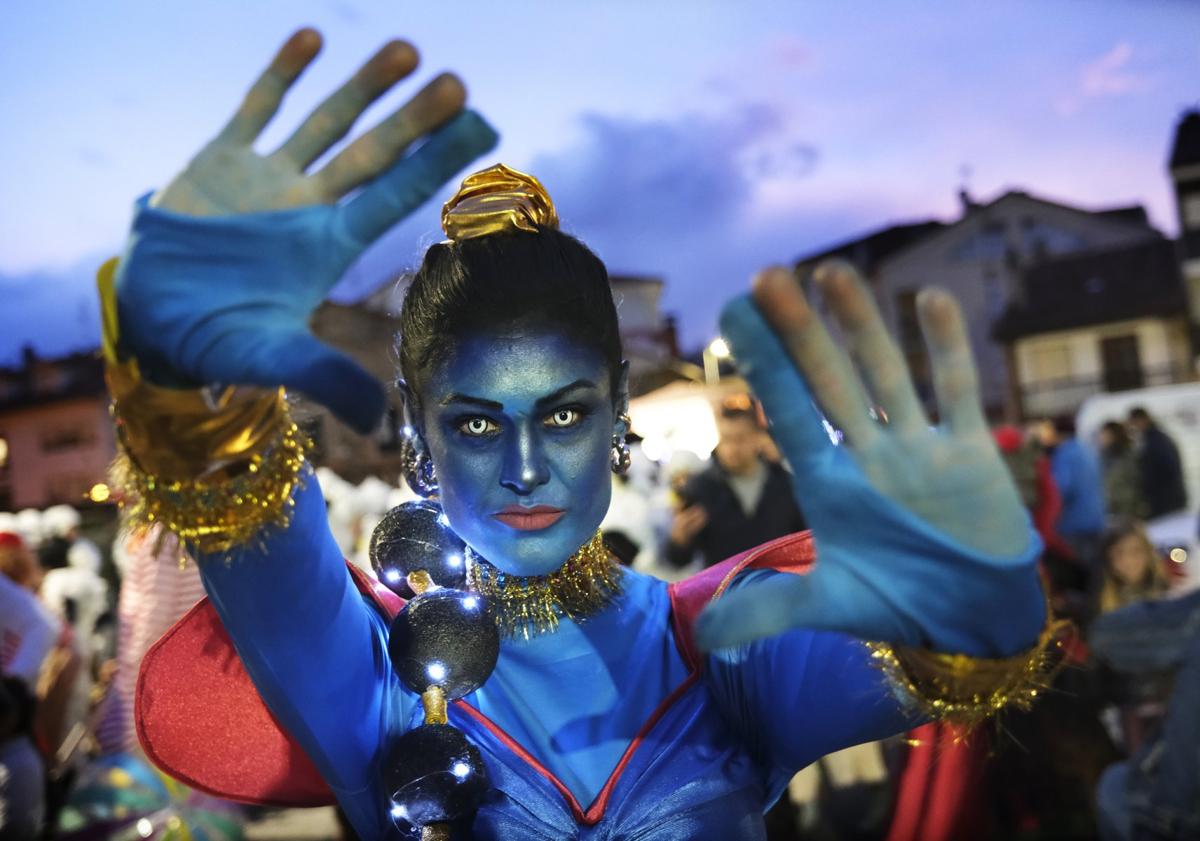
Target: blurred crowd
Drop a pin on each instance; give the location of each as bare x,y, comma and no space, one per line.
76,619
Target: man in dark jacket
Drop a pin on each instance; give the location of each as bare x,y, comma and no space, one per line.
1161,467
740,501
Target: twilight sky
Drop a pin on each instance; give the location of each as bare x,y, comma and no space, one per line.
691,139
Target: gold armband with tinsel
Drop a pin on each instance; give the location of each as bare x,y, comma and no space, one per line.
967,690
213,466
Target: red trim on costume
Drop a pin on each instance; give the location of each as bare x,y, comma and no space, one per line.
794,553
200,719
595,812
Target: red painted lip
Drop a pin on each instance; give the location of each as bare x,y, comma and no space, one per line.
534,518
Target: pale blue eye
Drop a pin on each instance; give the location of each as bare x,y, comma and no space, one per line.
478,427
563,417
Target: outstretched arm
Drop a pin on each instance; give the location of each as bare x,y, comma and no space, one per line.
223,269
921,538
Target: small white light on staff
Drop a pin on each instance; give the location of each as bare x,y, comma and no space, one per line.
719,348
461,769
436,671
1179,555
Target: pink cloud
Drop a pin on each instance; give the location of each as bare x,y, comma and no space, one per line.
1111,75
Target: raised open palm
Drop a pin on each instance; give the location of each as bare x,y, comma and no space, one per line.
227,262
921,535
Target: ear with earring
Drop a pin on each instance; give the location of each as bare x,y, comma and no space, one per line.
620,447
415,463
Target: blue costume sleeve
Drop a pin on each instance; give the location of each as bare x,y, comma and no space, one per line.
316,651
802,694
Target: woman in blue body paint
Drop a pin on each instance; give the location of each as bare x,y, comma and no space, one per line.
612,726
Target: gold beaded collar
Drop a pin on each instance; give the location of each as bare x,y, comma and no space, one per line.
526,606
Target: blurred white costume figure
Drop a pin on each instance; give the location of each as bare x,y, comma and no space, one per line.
75,593
28,524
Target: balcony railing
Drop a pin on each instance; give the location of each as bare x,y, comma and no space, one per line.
1064,396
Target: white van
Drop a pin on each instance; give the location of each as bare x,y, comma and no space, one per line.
1176,408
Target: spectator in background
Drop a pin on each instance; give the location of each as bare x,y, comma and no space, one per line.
1122,476
22,772
1080,488
1160,465
1030,470
740,501
1132,573
1156,794
18,563
1132,570
28,631
35,645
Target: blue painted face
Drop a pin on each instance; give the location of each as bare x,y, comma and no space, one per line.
519,427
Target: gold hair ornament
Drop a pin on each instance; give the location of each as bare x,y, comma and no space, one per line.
498,200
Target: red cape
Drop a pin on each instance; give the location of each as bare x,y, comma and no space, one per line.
200,719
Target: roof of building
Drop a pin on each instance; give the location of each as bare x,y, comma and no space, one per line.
869,250
1097,287
74,375
1185,151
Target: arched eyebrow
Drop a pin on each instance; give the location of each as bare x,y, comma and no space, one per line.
550,399
542,402
475,401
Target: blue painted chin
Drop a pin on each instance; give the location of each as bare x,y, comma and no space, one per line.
519,427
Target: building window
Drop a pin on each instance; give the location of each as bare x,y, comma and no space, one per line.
1191,211
1122,362
70,488
1050,362
67,438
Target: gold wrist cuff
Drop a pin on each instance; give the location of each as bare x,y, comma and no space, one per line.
214,468
968,690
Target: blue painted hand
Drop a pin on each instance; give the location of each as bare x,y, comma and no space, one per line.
225,265
921,536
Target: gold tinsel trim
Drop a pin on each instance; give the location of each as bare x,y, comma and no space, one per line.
968,690
215,514
531,605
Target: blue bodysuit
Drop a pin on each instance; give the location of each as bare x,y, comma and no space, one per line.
611,728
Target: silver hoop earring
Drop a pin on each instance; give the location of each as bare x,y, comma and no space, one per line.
621,457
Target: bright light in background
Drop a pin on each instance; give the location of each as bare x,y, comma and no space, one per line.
144,828
1179,555
677,417
461,769
719,348
99,492
3,452
436,671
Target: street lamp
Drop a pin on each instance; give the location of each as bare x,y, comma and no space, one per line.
717,350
